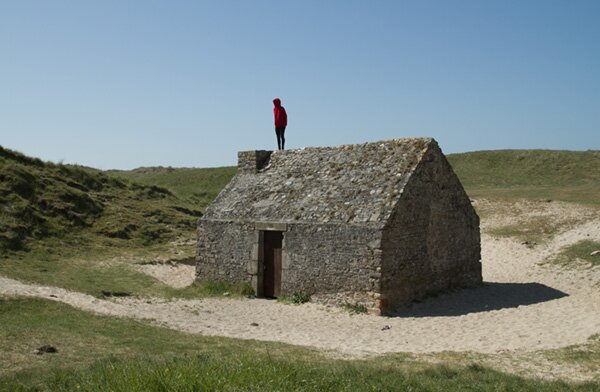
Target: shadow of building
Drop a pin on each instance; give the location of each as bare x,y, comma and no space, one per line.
491,296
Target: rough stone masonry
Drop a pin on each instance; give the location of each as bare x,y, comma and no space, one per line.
378,224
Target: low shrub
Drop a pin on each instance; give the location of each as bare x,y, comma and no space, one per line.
355,307
295,298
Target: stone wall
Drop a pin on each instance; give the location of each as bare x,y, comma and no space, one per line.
334,263
432,242
224,251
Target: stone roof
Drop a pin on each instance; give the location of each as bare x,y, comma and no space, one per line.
354,183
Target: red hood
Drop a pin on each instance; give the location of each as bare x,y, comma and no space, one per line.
279,113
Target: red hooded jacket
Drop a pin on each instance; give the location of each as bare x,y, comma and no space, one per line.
279,113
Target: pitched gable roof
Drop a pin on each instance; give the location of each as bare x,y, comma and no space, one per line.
354,183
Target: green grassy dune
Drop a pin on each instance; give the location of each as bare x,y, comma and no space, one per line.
199,186
572,176
41,200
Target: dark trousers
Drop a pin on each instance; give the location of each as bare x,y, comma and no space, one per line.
280,139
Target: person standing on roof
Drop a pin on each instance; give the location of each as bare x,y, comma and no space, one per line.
280,122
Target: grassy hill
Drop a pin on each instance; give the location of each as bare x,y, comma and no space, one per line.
40,200
199,186
530,174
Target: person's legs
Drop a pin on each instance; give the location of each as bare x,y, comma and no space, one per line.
279,133
283,138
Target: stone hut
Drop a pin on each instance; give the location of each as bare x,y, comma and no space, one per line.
378,224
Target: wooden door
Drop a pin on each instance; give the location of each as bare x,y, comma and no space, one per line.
272,264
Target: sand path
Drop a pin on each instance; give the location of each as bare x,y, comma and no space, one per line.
523,306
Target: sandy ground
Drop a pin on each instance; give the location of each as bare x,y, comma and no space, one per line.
172,274
525,305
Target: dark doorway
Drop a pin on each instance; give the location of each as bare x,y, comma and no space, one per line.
272,264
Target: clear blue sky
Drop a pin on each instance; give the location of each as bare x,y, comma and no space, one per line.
122,84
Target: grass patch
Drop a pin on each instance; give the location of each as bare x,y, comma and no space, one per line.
572,176
355,307
535,229
586,356
245,373
108,271
296,298
98,353
213,288
532,222
93,267
82,338
84,264
579,251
